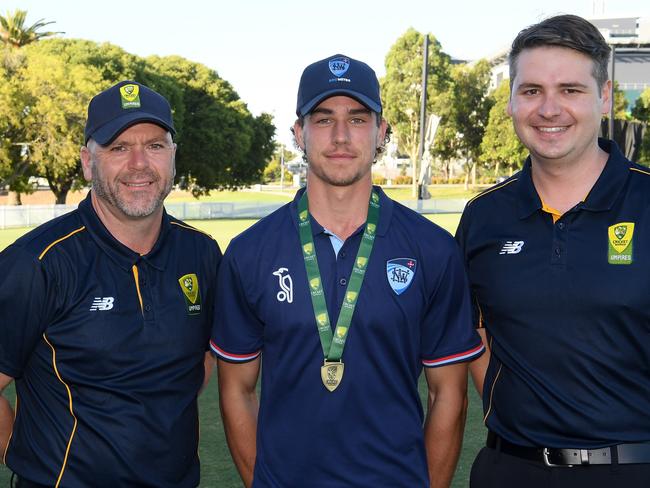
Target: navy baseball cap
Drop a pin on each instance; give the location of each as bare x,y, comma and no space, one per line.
125,104
338,75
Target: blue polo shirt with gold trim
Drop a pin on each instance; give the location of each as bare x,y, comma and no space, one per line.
566,308
412,312
107,348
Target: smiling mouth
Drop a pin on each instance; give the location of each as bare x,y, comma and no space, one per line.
137,185
551,129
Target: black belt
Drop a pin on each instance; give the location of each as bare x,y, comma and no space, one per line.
624,453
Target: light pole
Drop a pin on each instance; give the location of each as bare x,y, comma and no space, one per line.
281,167
423,106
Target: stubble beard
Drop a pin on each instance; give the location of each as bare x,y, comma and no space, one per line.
331,179
138,207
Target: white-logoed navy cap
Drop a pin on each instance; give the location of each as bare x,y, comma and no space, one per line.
338,75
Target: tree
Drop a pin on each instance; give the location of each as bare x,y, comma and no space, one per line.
14,33
402,87
15,158
221,145
59,78
500,145
273,169
641,109
620,103
465,116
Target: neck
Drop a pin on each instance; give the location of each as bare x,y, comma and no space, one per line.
340,210
563,185
138,234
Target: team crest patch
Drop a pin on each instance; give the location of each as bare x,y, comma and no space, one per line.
620,243
339,66
400,273
190,288
130,95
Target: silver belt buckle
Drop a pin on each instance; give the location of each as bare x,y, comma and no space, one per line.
547,462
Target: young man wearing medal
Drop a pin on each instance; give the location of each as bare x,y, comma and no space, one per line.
344,295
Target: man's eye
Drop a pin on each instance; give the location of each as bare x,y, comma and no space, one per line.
531,91
117,148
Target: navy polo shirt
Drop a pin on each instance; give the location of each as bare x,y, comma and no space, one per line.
107,349
566,307
368,432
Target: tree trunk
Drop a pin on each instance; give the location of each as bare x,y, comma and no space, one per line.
60,197
14,198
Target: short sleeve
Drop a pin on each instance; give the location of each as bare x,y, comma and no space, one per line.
23,315
447,333
237,334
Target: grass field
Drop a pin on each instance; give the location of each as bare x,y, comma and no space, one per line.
217,470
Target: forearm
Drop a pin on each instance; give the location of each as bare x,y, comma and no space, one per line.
443,436
478,367
6,424
239,414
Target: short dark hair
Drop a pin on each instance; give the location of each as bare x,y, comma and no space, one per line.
568,31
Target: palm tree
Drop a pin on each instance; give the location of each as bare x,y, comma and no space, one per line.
14,33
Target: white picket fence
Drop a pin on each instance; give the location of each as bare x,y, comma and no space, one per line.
33,215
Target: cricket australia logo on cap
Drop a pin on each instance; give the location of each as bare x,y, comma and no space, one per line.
130,95
400,273
620,243
338,67
190,288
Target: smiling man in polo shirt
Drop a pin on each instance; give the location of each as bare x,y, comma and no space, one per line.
106,315
559,268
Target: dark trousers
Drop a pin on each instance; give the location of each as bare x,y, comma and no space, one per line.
18,482
494,469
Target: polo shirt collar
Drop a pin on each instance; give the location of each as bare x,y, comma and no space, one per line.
118,252
385,213
611,181
601,197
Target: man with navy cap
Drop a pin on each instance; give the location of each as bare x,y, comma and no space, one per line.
106,317
343,296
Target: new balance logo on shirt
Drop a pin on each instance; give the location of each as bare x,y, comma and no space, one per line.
512,247
102,304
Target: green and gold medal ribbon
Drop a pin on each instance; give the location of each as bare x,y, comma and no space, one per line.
333,344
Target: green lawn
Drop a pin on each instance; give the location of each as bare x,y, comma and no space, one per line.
401,193
217,468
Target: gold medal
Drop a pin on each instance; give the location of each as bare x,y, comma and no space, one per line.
331,373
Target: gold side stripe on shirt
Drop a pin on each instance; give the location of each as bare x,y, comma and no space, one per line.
487,414
74,427
137,286
59,240
640,171
480,315
490,190
4,455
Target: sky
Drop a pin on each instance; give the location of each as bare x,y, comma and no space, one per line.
262,46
